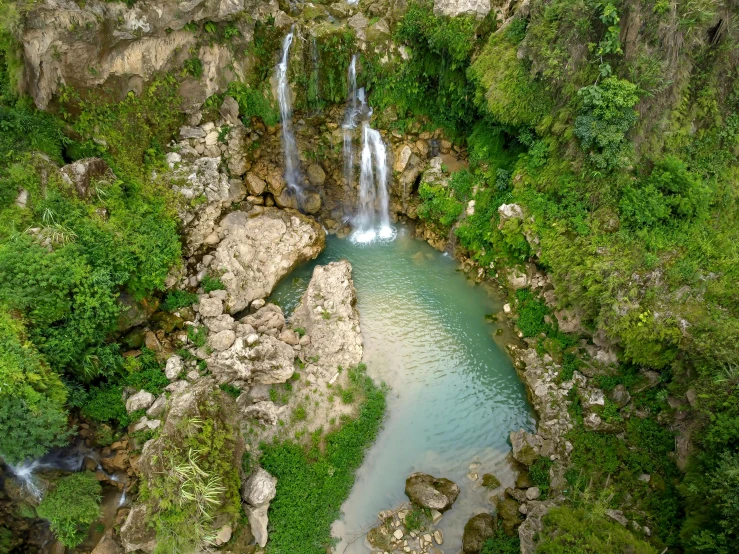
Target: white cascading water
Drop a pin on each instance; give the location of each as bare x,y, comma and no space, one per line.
289,146
372,221
350,123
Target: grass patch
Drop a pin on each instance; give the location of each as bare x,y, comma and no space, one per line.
313,483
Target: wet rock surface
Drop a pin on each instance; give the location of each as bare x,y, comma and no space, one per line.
431,492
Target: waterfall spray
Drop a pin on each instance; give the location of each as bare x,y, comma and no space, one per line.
289,146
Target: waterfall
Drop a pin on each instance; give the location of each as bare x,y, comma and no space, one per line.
352,111
66,459
289,146
373,214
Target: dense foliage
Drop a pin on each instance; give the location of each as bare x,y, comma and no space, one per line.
71,507
313,484
636,227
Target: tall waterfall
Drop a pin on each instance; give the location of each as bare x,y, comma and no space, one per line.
373,213
289,146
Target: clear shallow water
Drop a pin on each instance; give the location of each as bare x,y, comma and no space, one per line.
455,395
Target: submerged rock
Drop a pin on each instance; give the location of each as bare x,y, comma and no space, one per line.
476,533
431,492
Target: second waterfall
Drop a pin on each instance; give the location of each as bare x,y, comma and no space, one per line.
373,211
289,146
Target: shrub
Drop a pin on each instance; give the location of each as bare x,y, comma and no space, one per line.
210,283
502,544
71,507
32,414
605,116
177,299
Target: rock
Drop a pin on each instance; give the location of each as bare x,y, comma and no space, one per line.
316,175
692,397
266,411
107,545
490,481
402,158
507,212
22,199
222,340
267,361
593,421
517,279
259,250
533,493
258,520
173,367
531,528
438,534
525,447
619,396
229,111
266,317
157,408
82,173
617,516
260,488
523,480
223,322
210,307
476,533
312,202
330,318
255,185
508,514
223,535
139,401
398,534
136,534
432,493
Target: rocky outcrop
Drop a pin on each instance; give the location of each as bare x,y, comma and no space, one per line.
431,492
266,360
96,43
328,316
136,534
259,248
83,173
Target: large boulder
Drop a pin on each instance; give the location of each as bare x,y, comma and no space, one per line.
83,173
259,248
431,492
526,447
476,533
136,534
267,360
328,315
260,488
508,515
533,525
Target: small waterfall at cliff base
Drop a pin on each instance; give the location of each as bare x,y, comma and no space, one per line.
372,220
293,174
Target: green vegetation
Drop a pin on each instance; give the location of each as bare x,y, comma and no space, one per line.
197,477
177,299
578,531
637,229
313,483
502,544
71,507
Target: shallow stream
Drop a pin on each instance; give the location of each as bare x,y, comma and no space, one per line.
455,395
